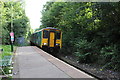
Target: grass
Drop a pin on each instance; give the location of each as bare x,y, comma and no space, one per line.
6,50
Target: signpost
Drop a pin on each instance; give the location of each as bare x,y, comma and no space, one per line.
12,39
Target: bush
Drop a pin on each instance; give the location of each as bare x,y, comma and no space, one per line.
85,51
110,57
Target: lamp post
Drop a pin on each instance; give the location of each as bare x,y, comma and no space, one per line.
12,39
11,33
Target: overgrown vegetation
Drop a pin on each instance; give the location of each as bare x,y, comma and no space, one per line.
91,31
13,13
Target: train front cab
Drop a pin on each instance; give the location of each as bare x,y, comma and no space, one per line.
52,40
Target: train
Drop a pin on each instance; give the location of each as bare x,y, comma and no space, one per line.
49,39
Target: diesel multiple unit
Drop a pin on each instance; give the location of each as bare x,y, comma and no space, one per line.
47,38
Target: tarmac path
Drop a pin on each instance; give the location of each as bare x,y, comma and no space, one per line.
32,62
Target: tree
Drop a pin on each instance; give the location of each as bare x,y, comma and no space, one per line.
90,30
13,14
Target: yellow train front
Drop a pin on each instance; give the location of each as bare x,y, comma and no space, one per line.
49,39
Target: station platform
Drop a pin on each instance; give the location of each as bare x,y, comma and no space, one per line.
32,62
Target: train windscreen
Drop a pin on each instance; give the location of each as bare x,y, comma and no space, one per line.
58,33
45,34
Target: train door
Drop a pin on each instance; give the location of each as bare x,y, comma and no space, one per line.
52,39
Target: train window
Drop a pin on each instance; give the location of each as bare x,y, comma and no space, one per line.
45,34
58,35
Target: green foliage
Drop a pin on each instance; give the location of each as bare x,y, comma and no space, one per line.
85,51
110,57
51,14
91,31
13,13
6,50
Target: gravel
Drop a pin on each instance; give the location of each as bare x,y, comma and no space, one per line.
93,69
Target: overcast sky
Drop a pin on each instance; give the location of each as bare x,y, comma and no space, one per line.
32,9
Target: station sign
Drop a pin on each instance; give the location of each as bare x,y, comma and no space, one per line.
12,36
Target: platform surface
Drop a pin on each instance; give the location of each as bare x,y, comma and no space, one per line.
32,62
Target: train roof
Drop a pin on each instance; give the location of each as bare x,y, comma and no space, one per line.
46,28
50,28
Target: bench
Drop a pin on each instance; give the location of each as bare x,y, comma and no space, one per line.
5,62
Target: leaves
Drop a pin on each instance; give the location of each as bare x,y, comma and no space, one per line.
13,13
91,31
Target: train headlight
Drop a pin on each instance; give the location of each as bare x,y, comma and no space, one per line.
57,44
44,43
